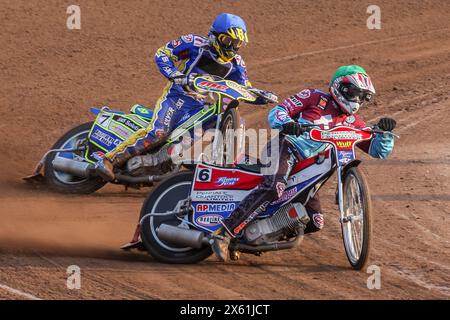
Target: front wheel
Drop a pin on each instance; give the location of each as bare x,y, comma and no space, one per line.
231,143
357,224
162,199
65,182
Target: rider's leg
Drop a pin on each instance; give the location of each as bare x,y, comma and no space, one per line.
269,190
170,108
314,210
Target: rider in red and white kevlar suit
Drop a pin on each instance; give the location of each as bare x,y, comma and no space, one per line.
350,88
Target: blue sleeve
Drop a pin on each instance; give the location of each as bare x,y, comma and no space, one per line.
239,73
240,76
174,51
381,146
278,116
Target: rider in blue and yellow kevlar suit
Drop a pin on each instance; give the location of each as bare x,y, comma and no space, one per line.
215,55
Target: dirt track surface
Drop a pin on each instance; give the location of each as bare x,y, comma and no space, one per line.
50,76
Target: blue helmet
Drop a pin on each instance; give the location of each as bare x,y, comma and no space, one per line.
227,34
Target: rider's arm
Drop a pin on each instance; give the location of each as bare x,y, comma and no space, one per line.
279,116
239,75
174,51
292,107
380,146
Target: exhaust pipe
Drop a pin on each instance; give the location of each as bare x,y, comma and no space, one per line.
76,168
183,237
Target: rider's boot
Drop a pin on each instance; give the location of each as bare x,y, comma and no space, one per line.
105,167
221,243
135,144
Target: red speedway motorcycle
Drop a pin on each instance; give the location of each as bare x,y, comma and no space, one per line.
179,215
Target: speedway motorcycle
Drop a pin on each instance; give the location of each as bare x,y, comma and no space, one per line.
69,165
180,214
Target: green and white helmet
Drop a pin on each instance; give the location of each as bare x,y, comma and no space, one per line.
351,87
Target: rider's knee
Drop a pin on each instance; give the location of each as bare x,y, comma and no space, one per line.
274,186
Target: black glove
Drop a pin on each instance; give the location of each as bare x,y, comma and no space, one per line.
386,124
292,128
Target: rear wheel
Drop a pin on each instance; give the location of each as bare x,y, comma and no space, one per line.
64,182
357,224
164,198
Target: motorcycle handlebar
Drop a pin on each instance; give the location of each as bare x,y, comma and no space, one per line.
373,129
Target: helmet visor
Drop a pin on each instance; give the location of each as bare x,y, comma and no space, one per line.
355,94
229,43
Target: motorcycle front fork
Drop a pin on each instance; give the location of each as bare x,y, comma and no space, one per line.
340,196
215,151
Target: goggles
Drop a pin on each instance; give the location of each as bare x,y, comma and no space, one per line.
229,43
355,94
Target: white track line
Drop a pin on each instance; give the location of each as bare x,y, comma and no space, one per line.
360,44
18,292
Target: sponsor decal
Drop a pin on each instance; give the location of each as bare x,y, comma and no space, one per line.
296,101
305,94
137,119
118,129
236,87
318,220
208,220
340,135
185,117
345,156
239,60
179,103
168,116
187,38
176,43
211,85
204,175
199,41
350,119
215,195
143,110
98,155
281,116
322,103
103,137
286,195
128,123
344,144
104,120
215,207
167,70
281,186
225,181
